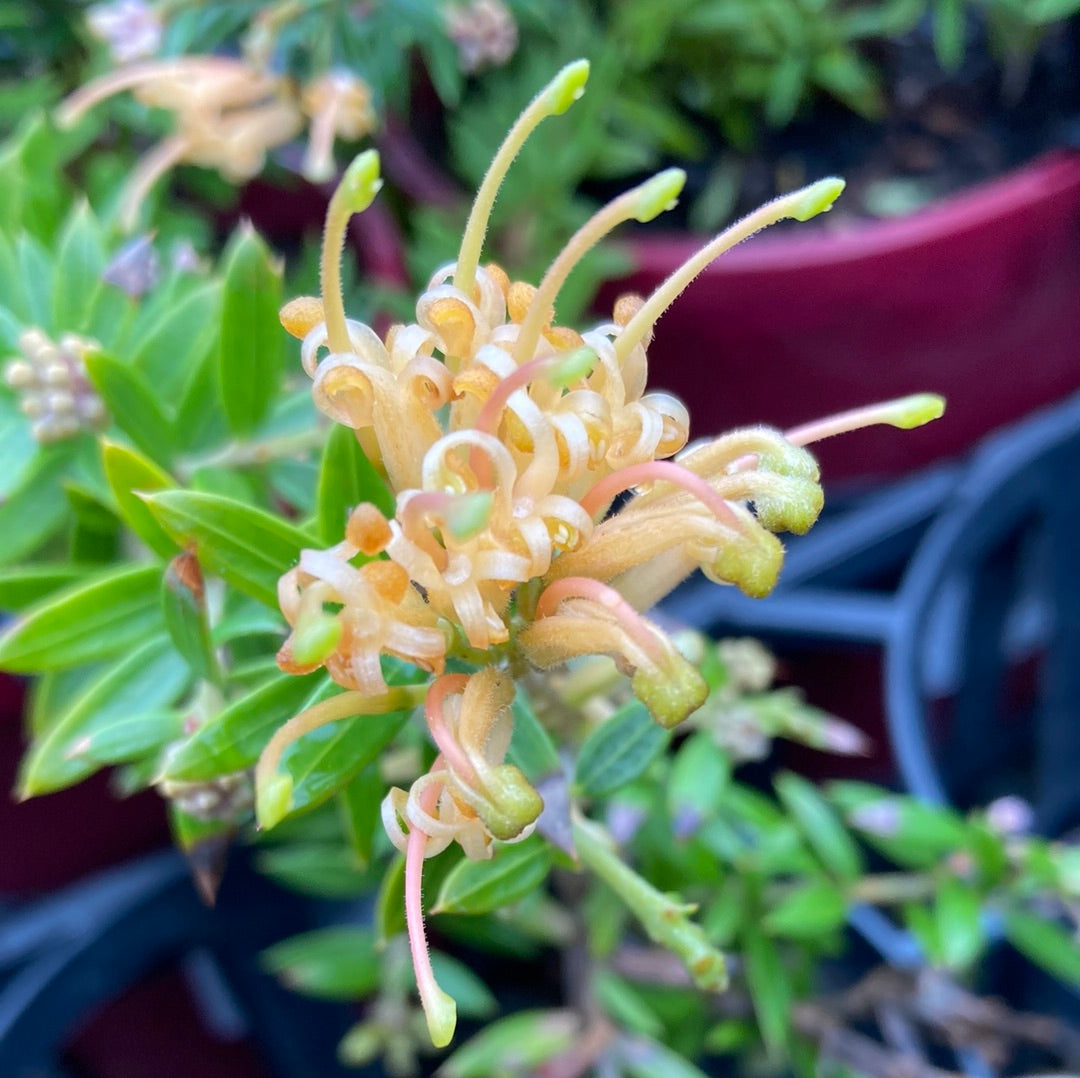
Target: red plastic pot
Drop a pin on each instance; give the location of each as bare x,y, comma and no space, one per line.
977,298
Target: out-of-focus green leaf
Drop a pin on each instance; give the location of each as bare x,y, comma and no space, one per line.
699,776
96,619
233,739
390,901
814,816
251,351
80,262
618,751
958,913
129,473
472,996
329,963
644,1058
183,605
346,478
360,803
23,585
316,869
808,912
768,984
250,548
34,512
483,886
625,1005
118,716
514,1045
1046,944
531,747
133,405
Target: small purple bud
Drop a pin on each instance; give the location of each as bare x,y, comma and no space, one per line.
843,738
1010,815
134,269
623,821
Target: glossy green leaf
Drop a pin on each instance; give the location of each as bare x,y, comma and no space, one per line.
129,473
233,739
518,1044
35,511
102,617
472,996
251,351
619,751
200,417
808,912
325,760
346,478
250,548
817,820
23,585
330,963
531,747
483,886
132,405
183,605
121,714
768,984
958,912
1046,944
326,871
390,901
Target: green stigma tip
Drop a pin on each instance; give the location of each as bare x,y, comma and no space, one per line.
316,638
361,181
572,367
659,194
567,86
273,799
817,198
914,411
469,514
440,1010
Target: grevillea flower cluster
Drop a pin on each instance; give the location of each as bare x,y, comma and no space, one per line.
543,500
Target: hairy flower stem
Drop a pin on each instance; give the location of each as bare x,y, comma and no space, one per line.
802,205
665,920
553,99
904,412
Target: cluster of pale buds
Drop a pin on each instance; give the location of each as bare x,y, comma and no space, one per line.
227,114
54,393
484,32
225,799
507,440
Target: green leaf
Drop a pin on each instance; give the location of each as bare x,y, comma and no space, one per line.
250,548
330,963
768,983
531,748
814,816
360,803
1046,944
950,31
35,511
699,777
183,606
129,473
625,1005
390,901
102,617
958,912
23,585
316,869
118,716
618,751
346,478
233,739
483,886
80,262
251,351
132,404
514,1045
808,912
472,996
644,1058
325,760
18,449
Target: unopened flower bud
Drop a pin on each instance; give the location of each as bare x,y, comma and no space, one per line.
1010,815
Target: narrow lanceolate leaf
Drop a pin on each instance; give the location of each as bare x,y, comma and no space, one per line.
108,615
531,747
252,345
119,715
483,886
23,585
619,751
958,913
768,983
1046,944
129,473
330,963
326,760
183,604
80,262
346,478
248,547
132,404
359,804
518,1044
817,820
233,739
808,912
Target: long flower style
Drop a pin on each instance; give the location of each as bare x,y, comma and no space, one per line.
544,500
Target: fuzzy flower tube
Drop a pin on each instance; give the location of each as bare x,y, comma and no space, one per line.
507,439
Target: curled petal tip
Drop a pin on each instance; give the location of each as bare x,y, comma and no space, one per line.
659,194
567,86
817,198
